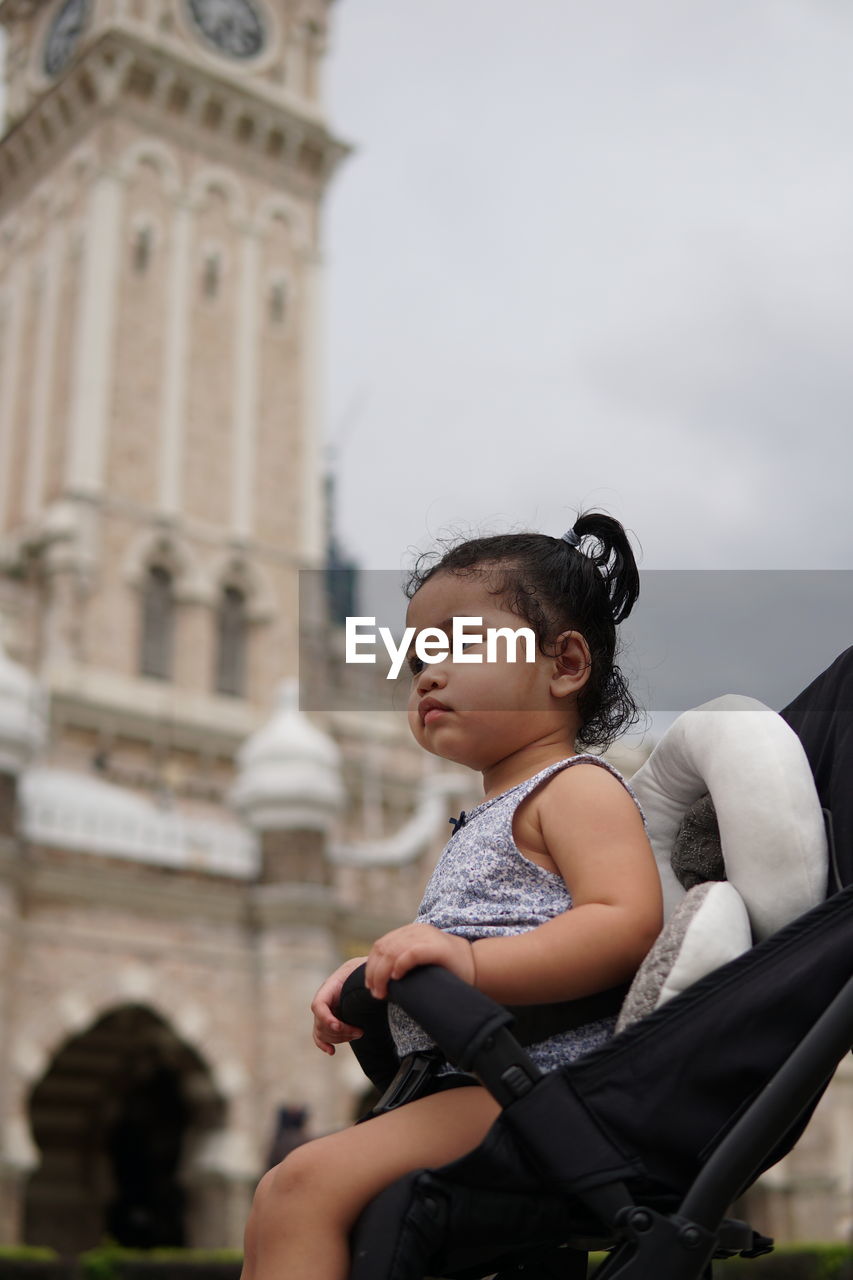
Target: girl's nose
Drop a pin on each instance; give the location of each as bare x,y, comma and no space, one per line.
433,676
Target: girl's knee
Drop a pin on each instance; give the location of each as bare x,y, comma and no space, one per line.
263,1191
300,1174
315,1182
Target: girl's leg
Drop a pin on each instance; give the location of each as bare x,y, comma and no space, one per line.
306,1207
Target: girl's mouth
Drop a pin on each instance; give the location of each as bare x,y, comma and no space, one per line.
430,709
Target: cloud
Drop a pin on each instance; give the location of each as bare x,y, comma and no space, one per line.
596,254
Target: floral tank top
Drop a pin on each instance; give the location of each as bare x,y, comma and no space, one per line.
483,886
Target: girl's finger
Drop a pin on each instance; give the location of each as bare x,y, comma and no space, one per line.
377,980
402,965
343,1032
411,959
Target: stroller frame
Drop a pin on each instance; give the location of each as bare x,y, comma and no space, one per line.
584,1171
591,1188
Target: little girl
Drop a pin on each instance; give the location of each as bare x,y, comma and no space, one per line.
549,891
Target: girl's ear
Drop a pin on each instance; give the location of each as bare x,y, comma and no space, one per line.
571,665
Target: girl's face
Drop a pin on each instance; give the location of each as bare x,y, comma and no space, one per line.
478,713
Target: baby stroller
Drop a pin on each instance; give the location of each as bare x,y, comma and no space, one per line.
642,1146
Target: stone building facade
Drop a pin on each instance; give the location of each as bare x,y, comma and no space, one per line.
167,905
184,855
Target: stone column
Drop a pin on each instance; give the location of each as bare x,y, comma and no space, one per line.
173,406
295,936
289,790
91,386
312,530
245,409
220,1185
22,731
17,1154
39,427
10,389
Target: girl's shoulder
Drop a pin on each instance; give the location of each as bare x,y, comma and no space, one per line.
576,774
526,795
575,802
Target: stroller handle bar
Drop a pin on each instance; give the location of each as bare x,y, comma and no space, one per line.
469,1027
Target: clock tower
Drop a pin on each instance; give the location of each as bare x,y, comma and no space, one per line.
161,177
274,46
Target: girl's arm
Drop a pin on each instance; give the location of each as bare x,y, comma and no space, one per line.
593,832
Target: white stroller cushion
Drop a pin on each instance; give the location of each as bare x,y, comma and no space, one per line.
771,825
708,928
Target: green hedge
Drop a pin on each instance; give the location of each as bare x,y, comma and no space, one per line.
791,1262
30,1262
26,1253
111,1262
787,1262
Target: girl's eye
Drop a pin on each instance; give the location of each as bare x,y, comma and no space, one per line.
415,665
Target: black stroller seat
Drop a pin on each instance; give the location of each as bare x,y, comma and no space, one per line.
641,1146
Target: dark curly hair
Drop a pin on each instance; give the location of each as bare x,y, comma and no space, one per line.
556,587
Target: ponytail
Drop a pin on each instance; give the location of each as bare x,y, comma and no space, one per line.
613,559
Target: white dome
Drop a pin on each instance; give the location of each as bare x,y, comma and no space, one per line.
23,715
289,772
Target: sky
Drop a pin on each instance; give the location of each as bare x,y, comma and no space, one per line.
593,255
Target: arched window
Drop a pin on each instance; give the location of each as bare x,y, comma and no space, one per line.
231,637
278,302
143,247
211,274
158,624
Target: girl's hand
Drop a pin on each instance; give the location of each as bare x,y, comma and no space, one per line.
328,1029
415,944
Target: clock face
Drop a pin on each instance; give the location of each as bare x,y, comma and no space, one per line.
233,27
63,33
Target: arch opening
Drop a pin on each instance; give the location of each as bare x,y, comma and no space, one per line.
117,1117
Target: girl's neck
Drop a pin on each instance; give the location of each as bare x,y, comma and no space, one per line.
524,764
